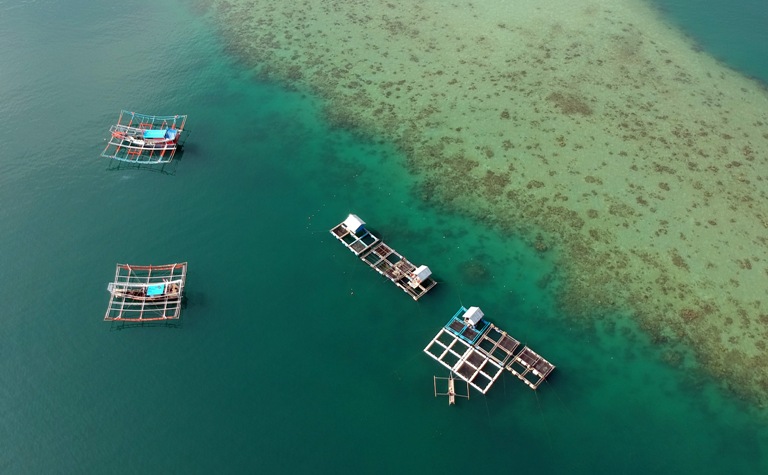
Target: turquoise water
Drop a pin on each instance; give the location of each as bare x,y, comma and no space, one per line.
291,355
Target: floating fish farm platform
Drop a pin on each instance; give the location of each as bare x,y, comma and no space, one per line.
414,280
478,352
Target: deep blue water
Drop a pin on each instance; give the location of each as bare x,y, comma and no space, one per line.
734,31
291,355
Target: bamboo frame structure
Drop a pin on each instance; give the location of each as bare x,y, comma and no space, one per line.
128,140
146,293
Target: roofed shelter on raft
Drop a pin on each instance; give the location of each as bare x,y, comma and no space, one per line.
146,293
145,139
415,281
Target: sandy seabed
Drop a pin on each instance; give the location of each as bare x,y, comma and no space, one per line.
592,128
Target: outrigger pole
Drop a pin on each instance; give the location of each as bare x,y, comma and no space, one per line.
452,394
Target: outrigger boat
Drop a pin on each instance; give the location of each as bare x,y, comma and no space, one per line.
159,138
146,293
140,138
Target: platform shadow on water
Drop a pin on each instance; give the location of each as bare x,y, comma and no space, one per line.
170,323
163,168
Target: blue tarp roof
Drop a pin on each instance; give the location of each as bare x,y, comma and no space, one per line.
154,290
155,133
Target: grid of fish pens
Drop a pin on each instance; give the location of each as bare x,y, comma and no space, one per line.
357,243
477,351
467,362
413,280
530,367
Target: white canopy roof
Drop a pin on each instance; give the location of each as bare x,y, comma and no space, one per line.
473,315
354,223
422,273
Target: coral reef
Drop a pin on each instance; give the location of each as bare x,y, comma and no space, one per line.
595,129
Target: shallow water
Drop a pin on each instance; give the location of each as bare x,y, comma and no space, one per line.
291,355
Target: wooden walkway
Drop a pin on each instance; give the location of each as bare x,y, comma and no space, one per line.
479,355
413,280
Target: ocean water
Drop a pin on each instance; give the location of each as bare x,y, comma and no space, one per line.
291,355
736,33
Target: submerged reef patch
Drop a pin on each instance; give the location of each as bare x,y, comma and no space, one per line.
570,104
